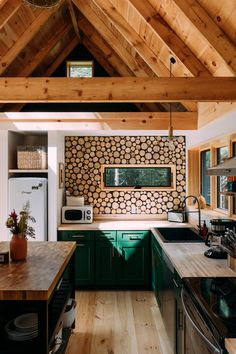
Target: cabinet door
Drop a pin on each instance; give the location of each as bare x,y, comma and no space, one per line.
157,280
84,264
133,263
105,263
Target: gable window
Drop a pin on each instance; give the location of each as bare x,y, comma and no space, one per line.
222,200
79,68
145,177
205,180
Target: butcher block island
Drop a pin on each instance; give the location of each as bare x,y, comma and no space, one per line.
34,293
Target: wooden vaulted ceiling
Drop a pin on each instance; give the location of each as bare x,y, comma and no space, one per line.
127,37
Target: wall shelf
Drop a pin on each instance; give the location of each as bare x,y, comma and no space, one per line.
27,171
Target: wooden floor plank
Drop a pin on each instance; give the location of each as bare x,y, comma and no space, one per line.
118,322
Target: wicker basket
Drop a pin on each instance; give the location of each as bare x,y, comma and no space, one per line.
31,158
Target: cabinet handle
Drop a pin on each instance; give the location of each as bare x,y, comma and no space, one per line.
135,238
113,252
81,245
78,236
174,281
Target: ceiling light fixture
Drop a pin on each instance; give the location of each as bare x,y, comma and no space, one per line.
43,3
170,134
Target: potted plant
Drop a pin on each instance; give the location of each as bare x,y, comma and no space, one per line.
20,229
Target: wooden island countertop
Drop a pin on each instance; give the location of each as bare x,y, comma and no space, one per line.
35,278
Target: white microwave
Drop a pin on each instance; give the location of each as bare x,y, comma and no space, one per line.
77,214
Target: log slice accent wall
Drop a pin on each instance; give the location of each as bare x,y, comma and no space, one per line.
85,155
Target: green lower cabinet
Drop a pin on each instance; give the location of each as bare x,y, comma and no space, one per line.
84,264
105,271
133,263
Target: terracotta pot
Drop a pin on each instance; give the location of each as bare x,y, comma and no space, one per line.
18,248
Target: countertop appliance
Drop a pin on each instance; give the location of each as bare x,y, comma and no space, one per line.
77,214
210,314
218,228
32,190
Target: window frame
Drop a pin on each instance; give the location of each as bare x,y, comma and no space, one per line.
200,172
171,188
194,168
79,63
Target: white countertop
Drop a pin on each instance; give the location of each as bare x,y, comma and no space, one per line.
115,224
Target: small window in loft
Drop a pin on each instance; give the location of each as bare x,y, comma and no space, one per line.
79,68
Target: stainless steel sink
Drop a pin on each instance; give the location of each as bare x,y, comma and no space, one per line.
178,234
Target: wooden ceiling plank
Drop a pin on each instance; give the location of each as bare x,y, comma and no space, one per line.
118,120
62,56
209,29
8,11
73,18
53,39
109,37
169,38
96,40
117,89
25,38
131,36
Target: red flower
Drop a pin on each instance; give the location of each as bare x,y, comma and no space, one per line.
13,215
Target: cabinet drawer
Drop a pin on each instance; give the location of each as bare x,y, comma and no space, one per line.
132,235
105,236
78,236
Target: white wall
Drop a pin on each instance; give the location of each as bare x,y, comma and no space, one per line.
3,184
216,129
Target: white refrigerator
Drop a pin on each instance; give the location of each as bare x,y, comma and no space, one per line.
32,189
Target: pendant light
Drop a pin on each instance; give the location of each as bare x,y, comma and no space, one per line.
43,3
170,133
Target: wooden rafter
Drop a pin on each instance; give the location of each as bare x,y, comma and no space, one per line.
105,9
169,38
117,89
119,120
115,20
8,10
73,18
209,29
25,38
109,37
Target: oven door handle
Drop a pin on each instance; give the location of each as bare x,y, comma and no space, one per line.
197,329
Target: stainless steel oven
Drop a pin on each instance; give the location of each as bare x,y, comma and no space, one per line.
198,338
209,306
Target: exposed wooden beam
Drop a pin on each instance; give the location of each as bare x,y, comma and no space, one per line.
25,38
107,9
209,29
8,10
117,89
73,18
109,37
169,38
119,120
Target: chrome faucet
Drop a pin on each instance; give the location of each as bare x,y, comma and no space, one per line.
198,211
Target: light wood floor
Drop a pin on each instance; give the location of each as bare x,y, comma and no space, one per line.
118,322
